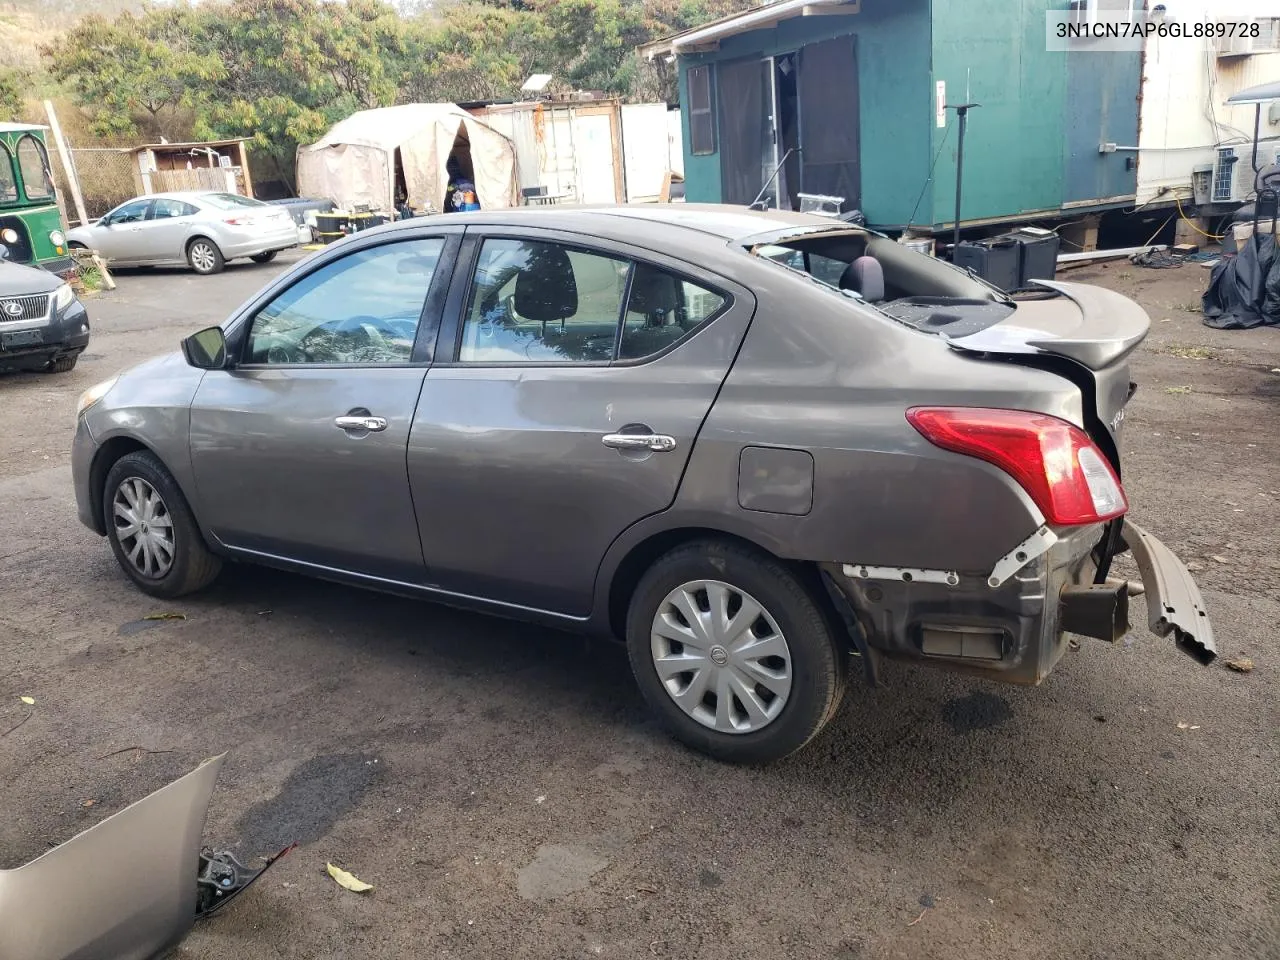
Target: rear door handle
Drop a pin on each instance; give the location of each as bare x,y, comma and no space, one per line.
372,424
656,442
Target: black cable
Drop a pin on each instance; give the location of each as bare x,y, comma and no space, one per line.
929,179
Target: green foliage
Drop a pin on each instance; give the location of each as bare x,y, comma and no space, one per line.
13,83
283,71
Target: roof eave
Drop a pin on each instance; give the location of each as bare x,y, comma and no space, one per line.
707,37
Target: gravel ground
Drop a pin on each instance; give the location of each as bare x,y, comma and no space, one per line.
504,790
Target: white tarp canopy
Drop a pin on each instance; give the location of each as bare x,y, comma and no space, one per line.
355,162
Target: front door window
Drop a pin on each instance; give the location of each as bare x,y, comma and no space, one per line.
361,309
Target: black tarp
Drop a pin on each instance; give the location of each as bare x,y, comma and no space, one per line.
1244,290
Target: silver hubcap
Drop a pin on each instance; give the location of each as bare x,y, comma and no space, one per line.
721,656
202,256
144,528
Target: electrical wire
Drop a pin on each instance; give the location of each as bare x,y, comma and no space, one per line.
929,179
1177,200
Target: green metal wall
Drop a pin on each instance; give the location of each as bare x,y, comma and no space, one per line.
1013,157
895,101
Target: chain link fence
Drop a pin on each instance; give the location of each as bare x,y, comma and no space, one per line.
105,175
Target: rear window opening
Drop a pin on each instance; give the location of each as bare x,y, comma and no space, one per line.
922,292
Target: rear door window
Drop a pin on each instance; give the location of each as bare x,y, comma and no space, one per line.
166,209
662,310
537,302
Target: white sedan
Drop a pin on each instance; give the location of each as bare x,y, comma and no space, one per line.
201,229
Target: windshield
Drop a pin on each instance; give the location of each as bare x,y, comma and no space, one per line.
8,182
229,201
34,163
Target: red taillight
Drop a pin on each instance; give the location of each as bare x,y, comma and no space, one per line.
239,221
1061,469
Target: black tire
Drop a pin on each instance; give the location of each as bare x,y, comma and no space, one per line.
63,364
74,245
204,257
818,663
264,257
193,566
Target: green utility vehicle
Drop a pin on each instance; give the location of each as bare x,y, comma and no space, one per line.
30,224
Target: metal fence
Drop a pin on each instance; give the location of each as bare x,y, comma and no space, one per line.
106,177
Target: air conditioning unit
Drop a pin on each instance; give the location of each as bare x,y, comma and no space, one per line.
1237,46
1226,187
1087,12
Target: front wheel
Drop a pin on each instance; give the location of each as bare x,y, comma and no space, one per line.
153,533
264,257
732,652
205,257
63,364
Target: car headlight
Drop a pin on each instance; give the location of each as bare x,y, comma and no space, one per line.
94,394
63,297
9,235
56,238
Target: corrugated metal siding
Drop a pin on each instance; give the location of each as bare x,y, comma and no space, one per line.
1185,86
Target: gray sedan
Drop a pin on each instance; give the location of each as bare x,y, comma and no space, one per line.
757,448
202,230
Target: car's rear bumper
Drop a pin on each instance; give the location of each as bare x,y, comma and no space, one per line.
1017,631
249,243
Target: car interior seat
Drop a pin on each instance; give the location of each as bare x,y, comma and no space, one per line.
655,296
546,290
865,277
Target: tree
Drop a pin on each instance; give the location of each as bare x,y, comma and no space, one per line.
295,67
12,101
473,51
135,73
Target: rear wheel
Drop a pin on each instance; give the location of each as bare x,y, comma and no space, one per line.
264,257
732,652
152,530
204,256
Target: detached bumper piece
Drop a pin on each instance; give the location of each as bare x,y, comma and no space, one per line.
222,877
1174,604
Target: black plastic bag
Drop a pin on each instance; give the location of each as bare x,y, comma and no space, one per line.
1237,298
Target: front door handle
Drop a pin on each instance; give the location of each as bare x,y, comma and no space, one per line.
372,424
655,442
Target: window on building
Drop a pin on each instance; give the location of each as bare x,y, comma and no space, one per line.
702,124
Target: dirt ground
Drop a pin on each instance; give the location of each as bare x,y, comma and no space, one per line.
504,790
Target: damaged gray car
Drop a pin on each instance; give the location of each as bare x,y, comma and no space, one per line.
756,447
129,888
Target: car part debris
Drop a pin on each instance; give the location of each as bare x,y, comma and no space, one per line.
116,890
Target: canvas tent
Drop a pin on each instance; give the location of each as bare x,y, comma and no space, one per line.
358,161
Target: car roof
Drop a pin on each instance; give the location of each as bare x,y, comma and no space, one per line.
682,228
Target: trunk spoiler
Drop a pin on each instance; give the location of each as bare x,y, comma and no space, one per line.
128,888
1105,327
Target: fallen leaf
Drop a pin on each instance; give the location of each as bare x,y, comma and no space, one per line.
645,888
165,616
348,881
1239,664
1220,559
29,701
1183,726
87,803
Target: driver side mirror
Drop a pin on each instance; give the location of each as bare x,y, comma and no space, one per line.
206,350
